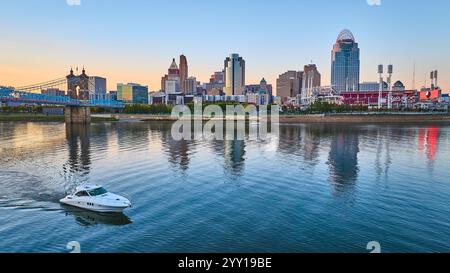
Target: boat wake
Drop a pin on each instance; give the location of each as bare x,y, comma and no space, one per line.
24,190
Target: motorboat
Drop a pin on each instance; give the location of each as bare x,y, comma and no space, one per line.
96,198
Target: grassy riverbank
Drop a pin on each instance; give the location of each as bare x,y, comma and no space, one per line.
29,117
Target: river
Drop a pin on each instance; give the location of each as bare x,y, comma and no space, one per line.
315,188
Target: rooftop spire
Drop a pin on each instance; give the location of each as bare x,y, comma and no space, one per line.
174,64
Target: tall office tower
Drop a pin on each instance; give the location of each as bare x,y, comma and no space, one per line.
184,73
216,83
311,79
345,63
97,86
163,83
289,84
190,85
234,75
217,78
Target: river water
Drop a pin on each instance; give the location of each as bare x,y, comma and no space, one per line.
315,188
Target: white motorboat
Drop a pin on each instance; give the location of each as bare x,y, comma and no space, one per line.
96,198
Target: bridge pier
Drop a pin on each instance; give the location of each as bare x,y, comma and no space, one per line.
77,115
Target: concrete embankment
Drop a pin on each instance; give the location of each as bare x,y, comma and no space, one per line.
368,118
323,118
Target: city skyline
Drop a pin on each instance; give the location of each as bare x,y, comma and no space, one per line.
46,51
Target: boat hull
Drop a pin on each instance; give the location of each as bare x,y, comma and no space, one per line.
94,207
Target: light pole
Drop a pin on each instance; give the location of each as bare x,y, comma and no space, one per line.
390,72
380,93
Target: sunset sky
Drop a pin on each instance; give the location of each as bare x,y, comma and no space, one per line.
135,40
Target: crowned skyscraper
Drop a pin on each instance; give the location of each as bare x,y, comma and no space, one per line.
345,63
171,81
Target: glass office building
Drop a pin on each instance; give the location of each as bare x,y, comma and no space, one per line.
345,63
234,75
132,93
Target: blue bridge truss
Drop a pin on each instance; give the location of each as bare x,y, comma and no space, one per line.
15,96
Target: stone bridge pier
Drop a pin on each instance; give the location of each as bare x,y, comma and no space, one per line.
77,115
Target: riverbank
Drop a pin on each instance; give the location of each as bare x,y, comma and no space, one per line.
26,117
284,119
321,118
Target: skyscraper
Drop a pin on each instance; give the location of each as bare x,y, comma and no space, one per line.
345,63
97,86
234,75
289,84
171,81
190,86
311,79
184,73
132,93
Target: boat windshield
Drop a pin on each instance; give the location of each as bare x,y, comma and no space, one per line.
97,192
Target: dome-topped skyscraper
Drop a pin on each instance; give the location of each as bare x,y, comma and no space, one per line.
345,63
345,35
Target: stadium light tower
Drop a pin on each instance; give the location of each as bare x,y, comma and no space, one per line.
436,79
390,72
380,94
432,80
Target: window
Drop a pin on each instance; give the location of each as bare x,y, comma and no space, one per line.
96,192
82,193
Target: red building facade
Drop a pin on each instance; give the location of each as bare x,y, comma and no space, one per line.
399,98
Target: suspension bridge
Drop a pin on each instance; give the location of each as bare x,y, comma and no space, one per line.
77,100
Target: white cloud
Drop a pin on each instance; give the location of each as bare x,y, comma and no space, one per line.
374,2
73,2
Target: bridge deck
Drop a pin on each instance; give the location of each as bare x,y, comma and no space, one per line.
11,95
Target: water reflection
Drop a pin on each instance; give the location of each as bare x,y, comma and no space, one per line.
234,153
88,218
306,145
428,139
343,160
132,135
179,152
383,161
303,141
312,137
79,148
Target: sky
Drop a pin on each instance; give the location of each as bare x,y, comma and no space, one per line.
135,40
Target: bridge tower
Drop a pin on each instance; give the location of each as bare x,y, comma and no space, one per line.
77,115
78,85
78,88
